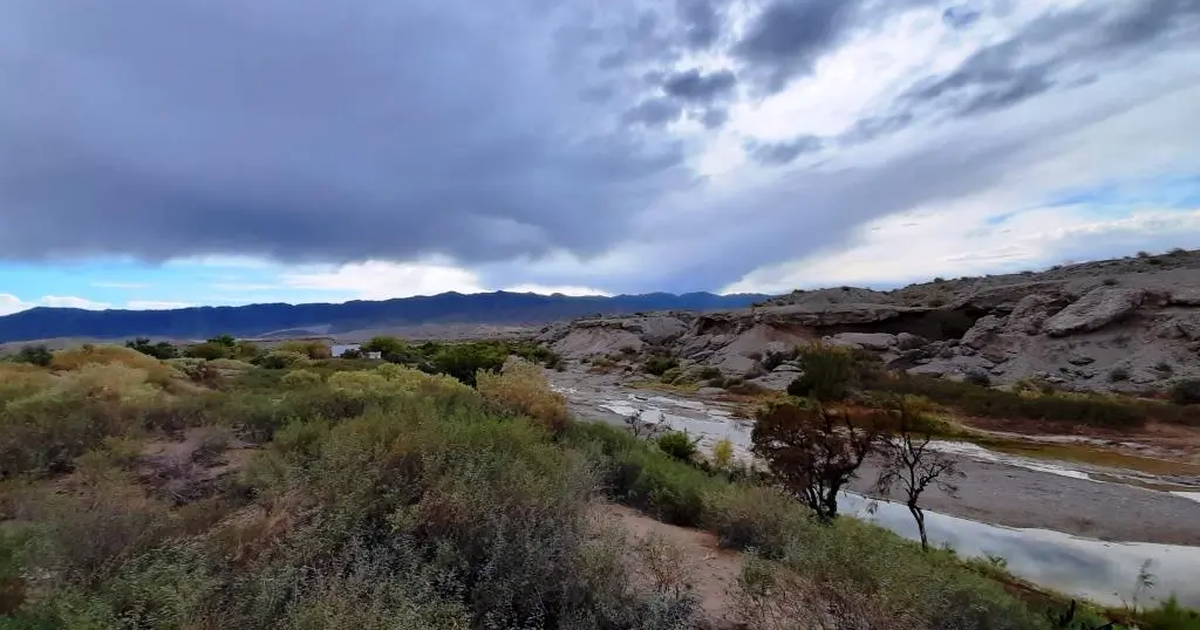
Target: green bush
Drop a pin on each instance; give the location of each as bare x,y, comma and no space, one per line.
38,355
829,373
162,350
209,350
659,365
282,360
678,445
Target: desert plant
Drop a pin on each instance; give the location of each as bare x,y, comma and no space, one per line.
521,388
659,365
282,360
315,350
1186,392
209,350
161,350
301,379
829,373
722,453
978,377
678,445
34,354
814,451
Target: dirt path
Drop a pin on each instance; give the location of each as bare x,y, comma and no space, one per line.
690,558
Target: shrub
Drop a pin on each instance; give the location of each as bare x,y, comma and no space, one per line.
162,350
230,364
37,355
672,375
521,388
198,370
464,361
761,520
1118,374
209,351
973,399
678,445
1186,392
282,360
722,454
659,365
829,373
314,350
89,354
45,430
708,372
301,379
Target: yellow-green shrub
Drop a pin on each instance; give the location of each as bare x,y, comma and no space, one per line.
88,354
300,379
74,412
522,388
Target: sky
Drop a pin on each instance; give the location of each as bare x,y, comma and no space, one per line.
162,154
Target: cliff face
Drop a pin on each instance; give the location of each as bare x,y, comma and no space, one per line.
1121,325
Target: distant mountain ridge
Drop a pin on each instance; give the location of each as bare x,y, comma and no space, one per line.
257,319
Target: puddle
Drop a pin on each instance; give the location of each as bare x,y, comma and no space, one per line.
1104,572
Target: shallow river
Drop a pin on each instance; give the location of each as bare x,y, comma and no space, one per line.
1102,571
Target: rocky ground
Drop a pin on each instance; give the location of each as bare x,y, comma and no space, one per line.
1127,325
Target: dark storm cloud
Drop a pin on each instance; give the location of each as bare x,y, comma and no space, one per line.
786,39
693,85
310,130
778,153
714,118
654,112
701,20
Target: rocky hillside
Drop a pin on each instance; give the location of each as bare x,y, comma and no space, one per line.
1124,325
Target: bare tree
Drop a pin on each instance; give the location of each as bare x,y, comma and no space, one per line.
914,466
814,451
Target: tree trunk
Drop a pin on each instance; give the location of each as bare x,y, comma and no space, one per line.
919,516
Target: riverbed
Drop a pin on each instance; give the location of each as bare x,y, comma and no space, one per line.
1074,528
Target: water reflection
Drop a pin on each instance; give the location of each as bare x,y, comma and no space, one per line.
1105,572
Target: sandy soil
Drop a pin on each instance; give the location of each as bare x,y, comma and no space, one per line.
709,571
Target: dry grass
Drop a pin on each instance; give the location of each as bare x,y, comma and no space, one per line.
77,358
522,388
770,597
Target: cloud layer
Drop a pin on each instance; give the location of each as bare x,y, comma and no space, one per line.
619,147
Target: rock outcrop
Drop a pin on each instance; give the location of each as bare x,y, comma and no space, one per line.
1128,324
1095,310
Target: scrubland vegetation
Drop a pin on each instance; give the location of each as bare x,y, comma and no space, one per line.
329,493
831,373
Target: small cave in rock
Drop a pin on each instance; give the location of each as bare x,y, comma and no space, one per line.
934,325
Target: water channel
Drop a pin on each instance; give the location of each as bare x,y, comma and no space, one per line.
1102,571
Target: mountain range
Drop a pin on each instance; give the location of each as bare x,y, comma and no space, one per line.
266,319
